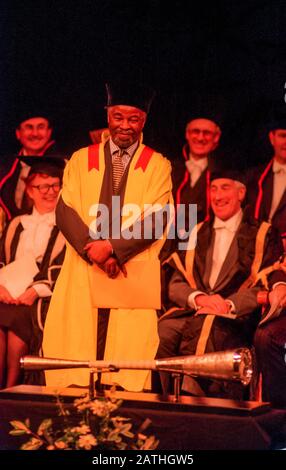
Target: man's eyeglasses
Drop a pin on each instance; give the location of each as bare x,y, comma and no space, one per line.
44,188
206,133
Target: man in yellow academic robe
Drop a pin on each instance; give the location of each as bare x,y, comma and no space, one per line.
105,300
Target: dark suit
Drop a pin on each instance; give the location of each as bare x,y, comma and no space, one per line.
270,348
180,331
184,193
279,217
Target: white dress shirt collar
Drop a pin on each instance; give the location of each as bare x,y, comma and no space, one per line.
36,232
129,150
277,167
202,163
196,168
231,224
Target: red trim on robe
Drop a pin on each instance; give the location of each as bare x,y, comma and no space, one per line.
12,170
144,158
93,157
3,181
10,173
184,152
186,176
182,185
208,195
142,162
260,189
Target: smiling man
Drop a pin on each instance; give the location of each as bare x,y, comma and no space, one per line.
213,293
191,176
125,125
34,133
86,319
202,135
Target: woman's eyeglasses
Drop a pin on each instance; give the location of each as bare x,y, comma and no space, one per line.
44,188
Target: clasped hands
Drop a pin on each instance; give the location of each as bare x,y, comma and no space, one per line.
27,298
213,304
100,253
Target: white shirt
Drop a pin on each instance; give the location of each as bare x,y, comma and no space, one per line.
224,235
279,186
196,167
34,240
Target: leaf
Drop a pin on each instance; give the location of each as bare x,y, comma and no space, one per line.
17,432
113,435
119,419
145,425
32,444
128,434
125,430
110,432
44,426
150,443
20,425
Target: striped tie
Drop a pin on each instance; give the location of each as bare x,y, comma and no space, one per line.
118,169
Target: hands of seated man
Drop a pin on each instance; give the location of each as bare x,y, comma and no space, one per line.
278,295
28,297
6,297
98,251
215,303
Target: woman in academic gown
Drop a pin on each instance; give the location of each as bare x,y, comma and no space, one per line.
32,250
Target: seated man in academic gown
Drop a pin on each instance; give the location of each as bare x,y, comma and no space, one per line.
213,290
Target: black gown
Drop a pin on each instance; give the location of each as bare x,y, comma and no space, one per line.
22,319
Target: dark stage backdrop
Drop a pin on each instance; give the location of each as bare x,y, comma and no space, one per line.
60,53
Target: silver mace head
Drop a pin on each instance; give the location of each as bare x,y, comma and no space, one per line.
225,365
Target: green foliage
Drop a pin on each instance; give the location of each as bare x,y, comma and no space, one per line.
97,427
